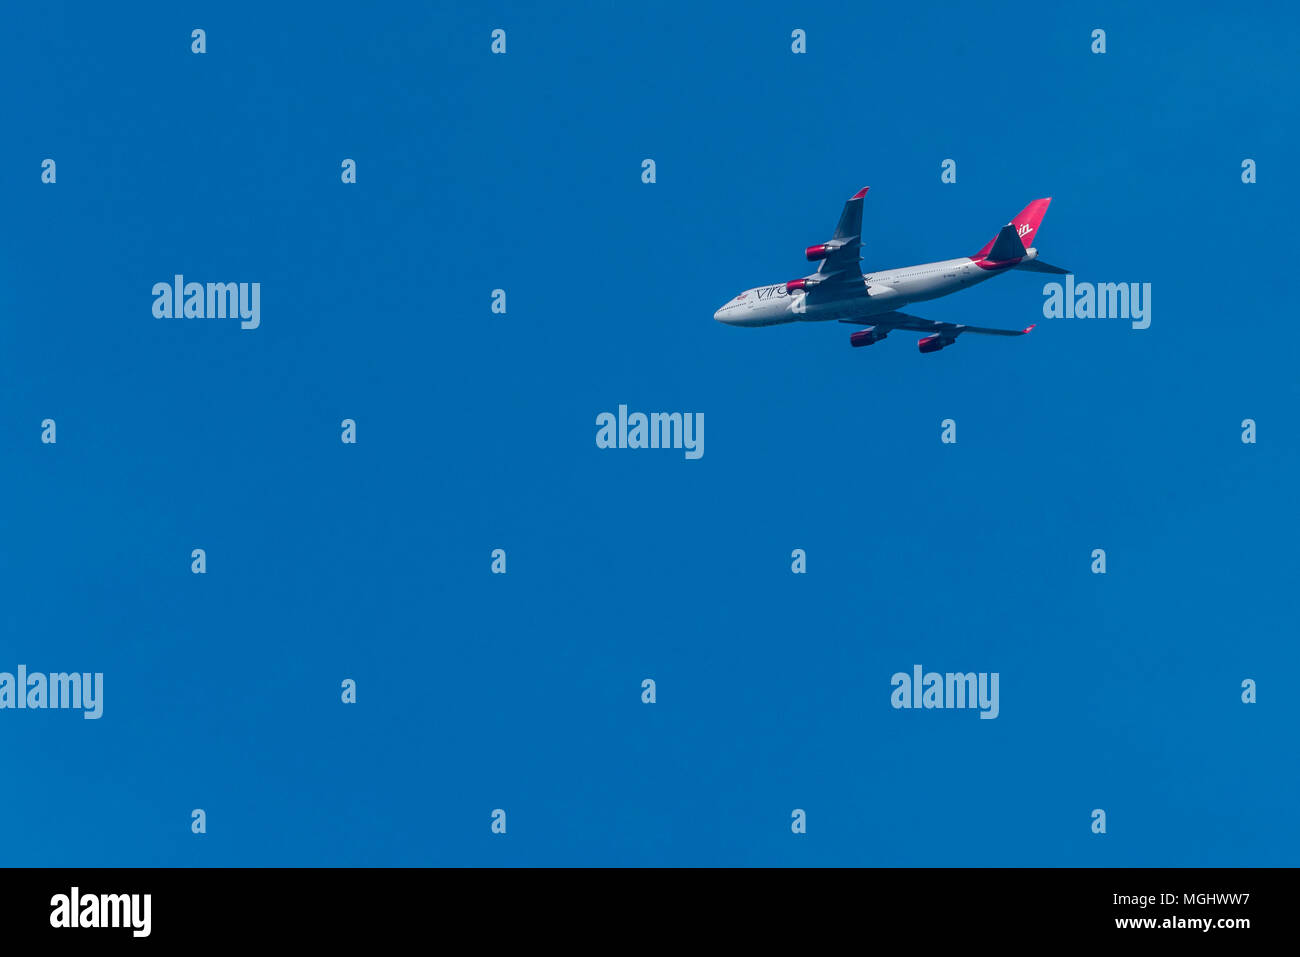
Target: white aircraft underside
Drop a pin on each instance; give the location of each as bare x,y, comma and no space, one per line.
839,290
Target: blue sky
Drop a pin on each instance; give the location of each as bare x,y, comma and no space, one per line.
476,431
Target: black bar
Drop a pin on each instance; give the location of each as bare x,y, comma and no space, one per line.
340,906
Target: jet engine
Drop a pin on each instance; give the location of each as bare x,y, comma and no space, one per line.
820,251
866,337
797,285
933,343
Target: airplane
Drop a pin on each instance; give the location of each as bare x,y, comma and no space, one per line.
839,290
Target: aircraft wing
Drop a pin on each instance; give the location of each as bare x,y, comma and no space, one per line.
842,262
949,330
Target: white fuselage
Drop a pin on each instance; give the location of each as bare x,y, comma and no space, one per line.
884,291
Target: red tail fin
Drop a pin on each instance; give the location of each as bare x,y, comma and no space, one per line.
1026,224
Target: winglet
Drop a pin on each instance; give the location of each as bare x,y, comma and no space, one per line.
860,193
1027,328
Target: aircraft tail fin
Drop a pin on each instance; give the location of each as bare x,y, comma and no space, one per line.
1018,235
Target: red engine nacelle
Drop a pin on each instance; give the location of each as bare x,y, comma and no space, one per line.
932,343
794,285
820,251
866,337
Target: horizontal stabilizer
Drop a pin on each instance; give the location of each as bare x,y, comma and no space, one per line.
1037,265
1007,246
